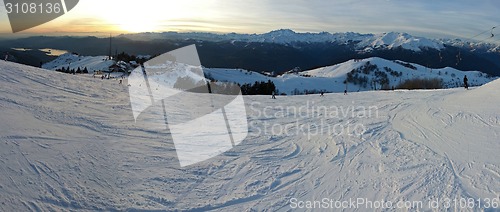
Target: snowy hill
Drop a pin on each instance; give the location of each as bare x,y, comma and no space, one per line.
73,61
331,78
70,143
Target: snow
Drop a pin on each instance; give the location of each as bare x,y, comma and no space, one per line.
73,61
331,78
71,143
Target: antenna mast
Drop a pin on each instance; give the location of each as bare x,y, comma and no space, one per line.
109,57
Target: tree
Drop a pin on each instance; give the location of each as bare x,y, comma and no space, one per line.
433,83
258,88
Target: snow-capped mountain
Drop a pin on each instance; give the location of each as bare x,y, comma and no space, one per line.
387,40
285,36
70,143
393,40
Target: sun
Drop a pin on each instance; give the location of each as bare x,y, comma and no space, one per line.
128,18
134,23
139,26
152,15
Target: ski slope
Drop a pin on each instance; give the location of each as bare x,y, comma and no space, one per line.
70,143
73,61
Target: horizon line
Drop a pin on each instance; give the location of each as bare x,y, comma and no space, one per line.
98,34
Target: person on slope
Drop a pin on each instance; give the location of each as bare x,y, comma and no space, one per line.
6,57
466,82
274,95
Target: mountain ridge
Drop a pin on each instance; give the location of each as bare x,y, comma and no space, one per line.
272,52
288,36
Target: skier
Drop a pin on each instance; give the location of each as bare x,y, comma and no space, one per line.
120,82
345,92
274,95
466,82
322,93
6,57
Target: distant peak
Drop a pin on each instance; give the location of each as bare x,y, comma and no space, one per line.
282,31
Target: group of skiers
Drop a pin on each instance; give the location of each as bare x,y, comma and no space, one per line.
103,76
108,76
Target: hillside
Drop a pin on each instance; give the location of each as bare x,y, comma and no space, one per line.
70,143
331,78
73,61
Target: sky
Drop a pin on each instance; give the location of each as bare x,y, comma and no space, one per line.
430,18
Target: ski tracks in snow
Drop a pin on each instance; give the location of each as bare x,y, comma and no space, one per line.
416,148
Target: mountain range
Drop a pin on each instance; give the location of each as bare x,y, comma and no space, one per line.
289,37
278,51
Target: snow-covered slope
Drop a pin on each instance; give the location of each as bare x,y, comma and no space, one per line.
73,61
331,78
70,143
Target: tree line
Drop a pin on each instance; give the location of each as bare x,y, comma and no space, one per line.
73,71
